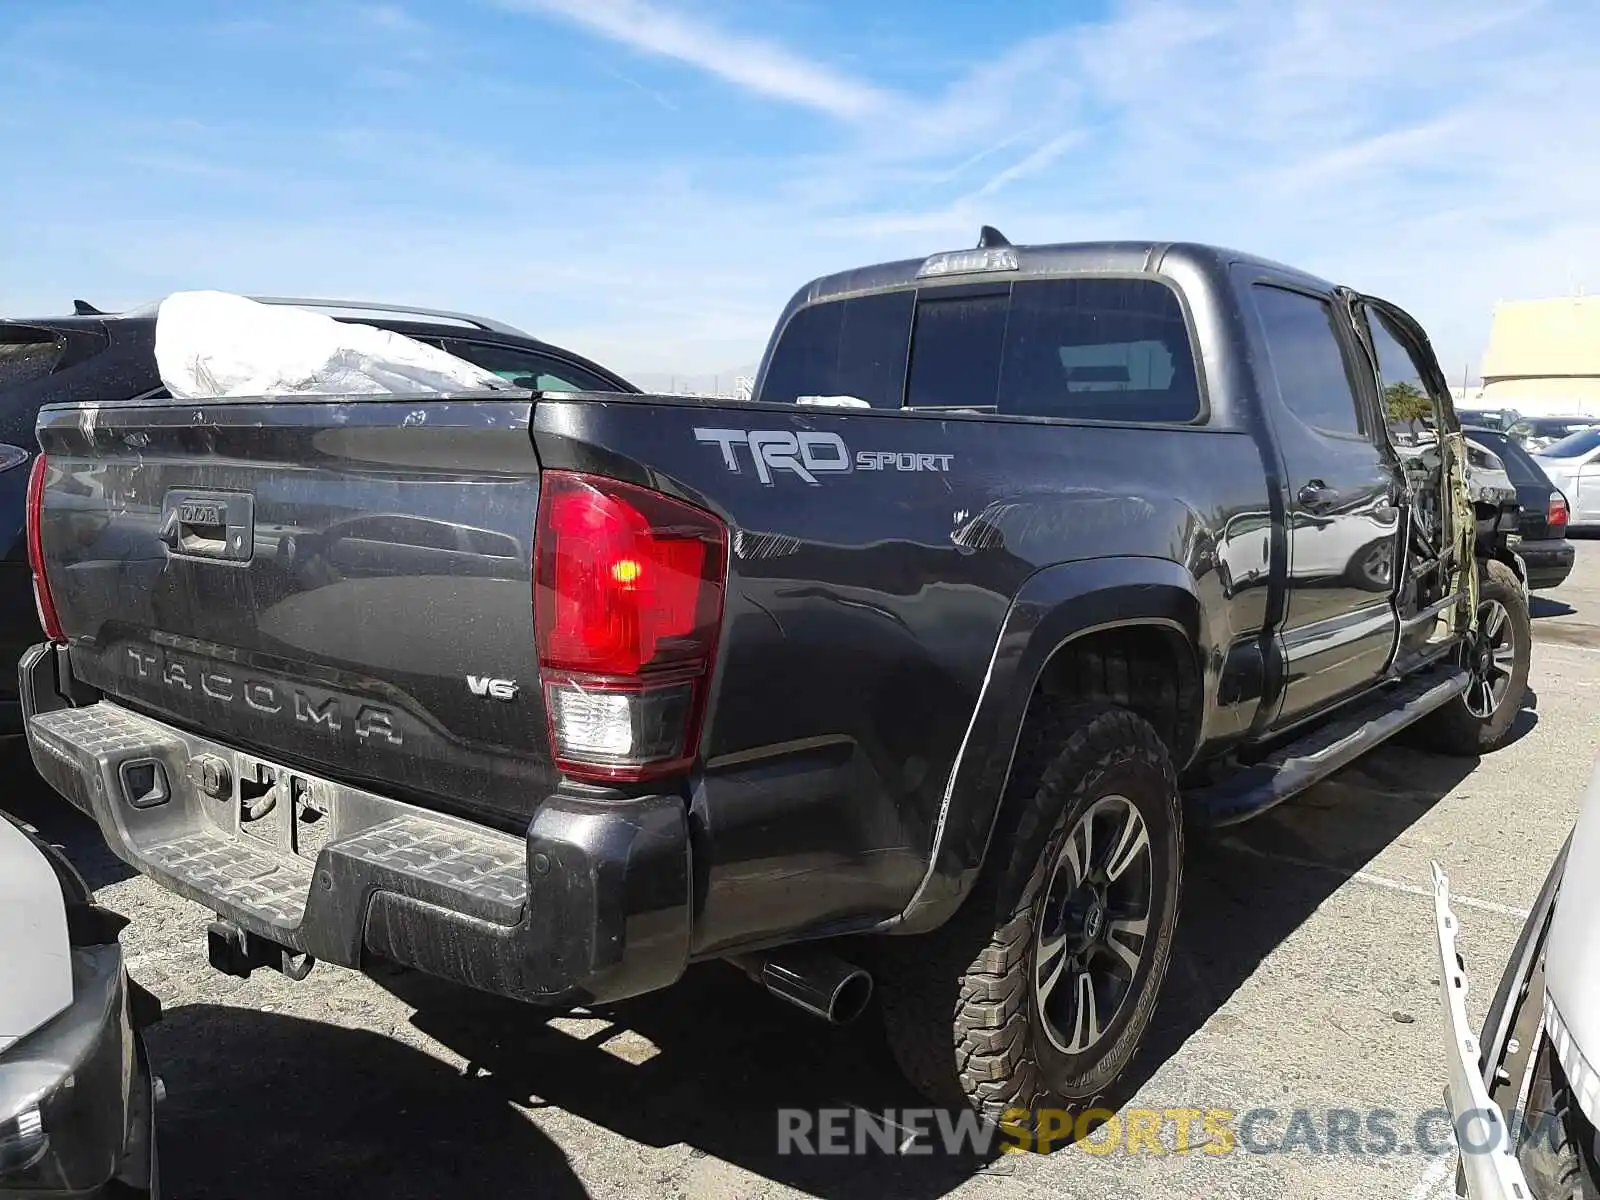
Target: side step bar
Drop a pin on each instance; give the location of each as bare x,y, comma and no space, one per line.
1312,758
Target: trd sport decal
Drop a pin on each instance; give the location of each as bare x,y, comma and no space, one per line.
809,454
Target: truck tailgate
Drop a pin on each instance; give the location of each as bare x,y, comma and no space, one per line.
336,582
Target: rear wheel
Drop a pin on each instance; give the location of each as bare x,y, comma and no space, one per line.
1038,991
1480,719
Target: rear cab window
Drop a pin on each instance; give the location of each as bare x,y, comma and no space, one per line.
1076,348
855,347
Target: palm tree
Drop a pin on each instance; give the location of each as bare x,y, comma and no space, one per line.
1406,402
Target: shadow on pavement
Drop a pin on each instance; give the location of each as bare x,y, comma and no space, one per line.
1542,606
262,1105
708,1064
1247,889
711,1062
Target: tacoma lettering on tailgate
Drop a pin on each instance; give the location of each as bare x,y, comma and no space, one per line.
269,698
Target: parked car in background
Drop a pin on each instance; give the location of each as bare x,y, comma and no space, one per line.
77,1099
1500,419
1573,465
111,356
1536,433
1542,524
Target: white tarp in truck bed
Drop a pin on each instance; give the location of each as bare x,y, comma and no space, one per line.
213,344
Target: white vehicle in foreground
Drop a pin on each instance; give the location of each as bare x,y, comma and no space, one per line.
77,1099
1526,1094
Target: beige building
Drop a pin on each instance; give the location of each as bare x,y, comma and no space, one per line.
1544,357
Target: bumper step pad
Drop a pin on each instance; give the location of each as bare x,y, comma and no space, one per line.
466,869
606,913
268,886
479,874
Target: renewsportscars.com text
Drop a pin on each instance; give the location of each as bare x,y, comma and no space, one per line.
1361,1133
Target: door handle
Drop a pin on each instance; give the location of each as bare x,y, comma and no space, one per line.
1317,494
209,524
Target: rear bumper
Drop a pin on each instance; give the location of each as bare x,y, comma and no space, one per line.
1549,562
592,903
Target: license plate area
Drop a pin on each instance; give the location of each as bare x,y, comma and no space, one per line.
292,813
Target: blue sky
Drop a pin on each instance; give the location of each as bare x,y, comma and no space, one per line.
649,180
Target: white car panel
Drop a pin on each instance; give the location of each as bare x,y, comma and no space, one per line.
1572,961
35,957
1579,480
1588,489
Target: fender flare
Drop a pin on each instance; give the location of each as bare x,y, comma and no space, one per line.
1054,607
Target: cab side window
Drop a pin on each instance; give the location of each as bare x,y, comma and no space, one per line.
1407,407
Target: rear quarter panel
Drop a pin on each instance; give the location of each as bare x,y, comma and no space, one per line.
865,610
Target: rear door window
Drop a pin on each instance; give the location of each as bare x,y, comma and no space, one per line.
1574,445
1549,429
1314,378
26,355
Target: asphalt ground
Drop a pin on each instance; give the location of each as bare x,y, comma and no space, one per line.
1300,1019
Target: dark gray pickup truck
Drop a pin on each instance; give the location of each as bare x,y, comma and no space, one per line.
1022,559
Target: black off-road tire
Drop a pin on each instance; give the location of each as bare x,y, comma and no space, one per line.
959,1003
1557,1143
1455,729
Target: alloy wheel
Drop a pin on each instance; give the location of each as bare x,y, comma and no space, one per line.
1493,658
1094,924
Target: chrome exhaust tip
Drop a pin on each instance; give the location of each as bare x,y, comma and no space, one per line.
821,984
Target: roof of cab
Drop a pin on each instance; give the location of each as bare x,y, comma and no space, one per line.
1060,258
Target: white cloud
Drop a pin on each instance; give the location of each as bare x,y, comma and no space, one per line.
1439,152
392,18
754,64
1032,164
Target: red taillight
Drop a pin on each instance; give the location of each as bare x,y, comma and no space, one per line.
42,599
628,589
1557,516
